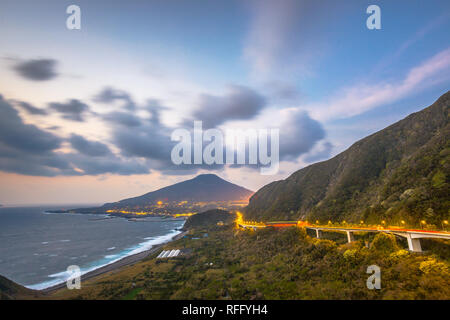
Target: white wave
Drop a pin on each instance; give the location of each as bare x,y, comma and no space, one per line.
62,277
111,256
112,248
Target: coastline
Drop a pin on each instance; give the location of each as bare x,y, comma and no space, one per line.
126,261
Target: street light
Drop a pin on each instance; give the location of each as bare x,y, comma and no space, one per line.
423,222
445,222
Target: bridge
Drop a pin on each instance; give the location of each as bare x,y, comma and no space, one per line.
412,236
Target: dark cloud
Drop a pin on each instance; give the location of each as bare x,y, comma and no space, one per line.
37,69
90,148
149,141
71,110
25,137
106,164
49,164
31,109
299,135
123,118
111,95
240,103
26,149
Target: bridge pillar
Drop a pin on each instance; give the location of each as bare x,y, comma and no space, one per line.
350,236
318,234
413,244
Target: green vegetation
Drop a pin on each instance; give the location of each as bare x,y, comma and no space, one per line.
399,173
276,264
208,218
10,290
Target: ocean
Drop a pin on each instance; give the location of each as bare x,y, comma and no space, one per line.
36,247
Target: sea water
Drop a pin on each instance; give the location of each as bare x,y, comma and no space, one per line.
36,247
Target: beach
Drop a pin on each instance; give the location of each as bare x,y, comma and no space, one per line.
126,261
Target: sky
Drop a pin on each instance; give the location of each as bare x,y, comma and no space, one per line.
86,115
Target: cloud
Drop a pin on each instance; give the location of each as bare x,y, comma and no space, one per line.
240,103
37,69
90,148
88,165
286,37
110,95
321,152
25,137
123,118
363,97
298,134
31,109
151,141
71,110
28,150
270,27
48,164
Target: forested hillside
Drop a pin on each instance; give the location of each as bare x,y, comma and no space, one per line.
398,173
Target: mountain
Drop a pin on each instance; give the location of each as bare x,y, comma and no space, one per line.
398,173
203,188
10,290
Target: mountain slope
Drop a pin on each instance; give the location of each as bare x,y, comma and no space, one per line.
203,188
10,290
400,172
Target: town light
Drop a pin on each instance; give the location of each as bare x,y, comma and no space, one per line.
383,222
403,221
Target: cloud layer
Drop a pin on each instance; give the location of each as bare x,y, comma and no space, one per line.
239,103
37,69
29,150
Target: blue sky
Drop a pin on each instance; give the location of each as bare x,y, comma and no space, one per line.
316,70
